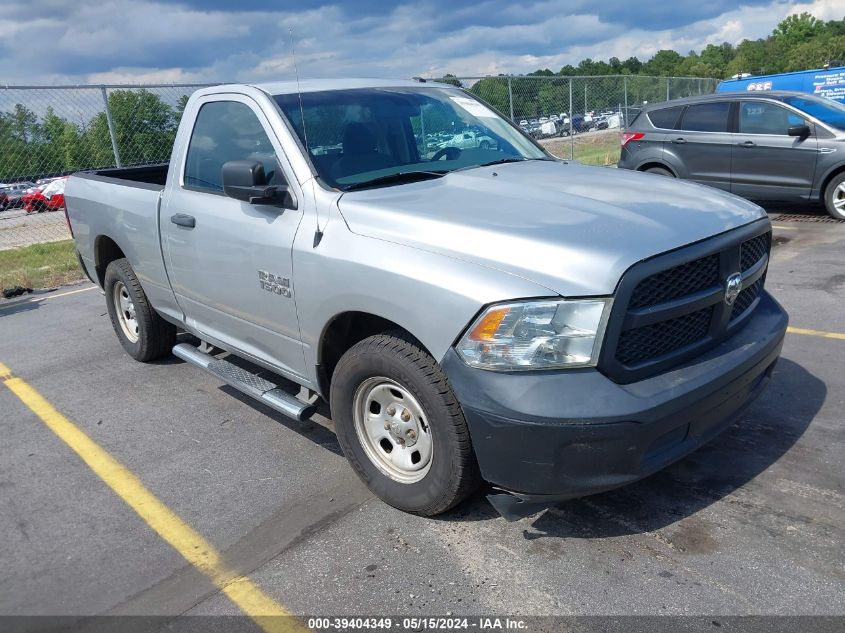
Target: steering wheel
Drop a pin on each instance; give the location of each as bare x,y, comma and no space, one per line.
451,153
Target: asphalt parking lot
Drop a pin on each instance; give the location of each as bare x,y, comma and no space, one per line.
751,524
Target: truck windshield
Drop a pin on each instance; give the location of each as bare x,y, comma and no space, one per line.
359,136
826,111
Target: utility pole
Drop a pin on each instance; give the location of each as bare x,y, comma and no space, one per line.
510,96
625,117
111,127
571,124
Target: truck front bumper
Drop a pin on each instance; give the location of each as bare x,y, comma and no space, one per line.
554,435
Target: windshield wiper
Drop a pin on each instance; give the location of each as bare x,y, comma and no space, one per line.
396,179
510,159
499,161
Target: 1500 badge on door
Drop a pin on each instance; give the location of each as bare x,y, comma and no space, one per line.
274,283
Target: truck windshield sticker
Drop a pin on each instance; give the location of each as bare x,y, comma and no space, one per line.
474,107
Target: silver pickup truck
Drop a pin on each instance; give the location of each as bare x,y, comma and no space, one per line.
479,314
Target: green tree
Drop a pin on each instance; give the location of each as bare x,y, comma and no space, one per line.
181,104
665,63
835,27
19,136
752,56
716,58
553,96
449,78
24,123
495,92
797,29
145,126
633,64
97,142
816,53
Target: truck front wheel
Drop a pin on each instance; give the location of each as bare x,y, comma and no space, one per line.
143,333
401,427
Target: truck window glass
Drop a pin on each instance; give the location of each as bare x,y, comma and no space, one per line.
363,134
707,117
224,131
666,119
760,117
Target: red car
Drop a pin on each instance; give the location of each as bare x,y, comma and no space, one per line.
49,197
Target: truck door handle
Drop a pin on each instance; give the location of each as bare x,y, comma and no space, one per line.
679,141
183,219
747,144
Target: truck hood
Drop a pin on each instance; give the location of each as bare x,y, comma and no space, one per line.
570,228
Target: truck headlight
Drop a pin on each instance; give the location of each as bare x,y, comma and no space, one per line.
537,334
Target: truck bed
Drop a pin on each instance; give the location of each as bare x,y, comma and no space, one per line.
155,175
118,209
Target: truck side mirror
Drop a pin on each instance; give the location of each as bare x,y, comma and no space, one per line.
801,131
244,180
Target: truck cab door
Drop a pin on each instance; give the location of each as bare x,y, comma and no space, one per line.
767,163
230,262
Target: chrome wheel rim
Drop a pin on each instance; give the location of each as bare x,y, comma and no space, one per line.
839,198
393,429
125,309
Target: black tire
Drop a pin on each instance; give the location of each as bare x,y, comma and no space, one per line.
832,194
484,145
453,474
659,171
155,336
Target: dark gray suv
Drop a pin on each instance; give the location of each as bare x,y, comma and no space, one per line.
784,146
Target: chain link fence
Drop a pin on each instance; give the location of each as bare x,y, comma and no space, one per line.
19,228
46,132
579,118
56,130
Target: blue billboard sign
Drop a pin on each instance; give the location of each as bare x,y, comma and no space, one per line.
828,83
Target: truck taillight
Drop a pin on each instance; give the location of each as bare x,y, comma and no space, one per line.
627,137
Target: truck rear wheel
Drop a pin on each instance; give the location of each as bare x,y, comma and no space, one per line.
401,427
143,333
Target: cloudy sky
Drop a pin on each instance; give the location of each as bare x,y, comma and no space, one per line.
114,41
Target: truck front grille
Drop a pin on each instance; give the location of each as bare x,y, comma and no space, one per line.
676,282
746,299
672,307
642,343
753,250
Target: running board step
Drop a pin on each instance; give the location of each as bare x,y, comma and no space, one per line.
247,382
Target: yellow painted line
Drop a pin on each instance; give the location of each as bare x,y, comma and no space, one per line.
799,330
163,521
63,294
50,296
